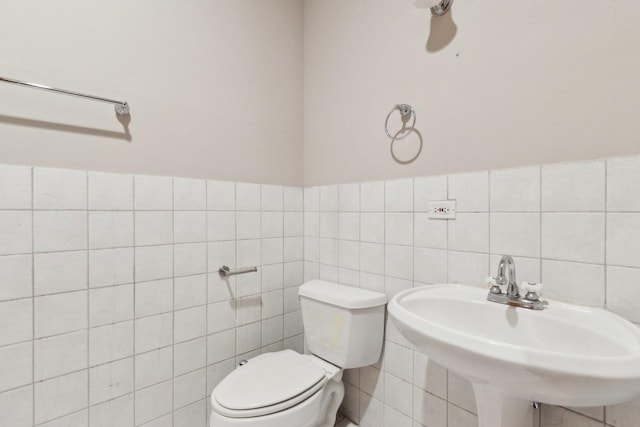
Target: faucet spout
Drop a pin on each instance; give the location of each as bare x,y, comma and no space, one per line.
507,276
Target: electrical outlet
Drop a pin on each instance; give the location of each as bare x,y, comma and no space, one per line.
442,209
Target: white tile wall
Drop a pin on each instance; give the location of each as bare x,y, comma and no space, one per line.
112,312
110,293
574,227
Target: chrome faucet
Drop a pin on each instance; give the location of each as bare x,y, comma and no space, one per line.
507,276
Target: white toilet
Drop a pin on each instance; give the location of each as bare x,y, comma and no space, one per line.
344,329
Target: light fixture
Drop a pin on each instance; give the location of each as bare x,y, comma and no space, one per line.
438,7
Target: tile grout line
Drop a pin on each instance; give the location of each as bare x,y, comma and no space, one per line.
88,305
33,302
173,300
135,283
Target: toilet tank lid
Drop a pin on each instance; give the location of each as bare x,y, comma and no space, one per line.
340,295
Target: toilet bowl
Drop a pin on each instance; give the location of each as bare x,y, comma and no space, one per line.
279,389
344,329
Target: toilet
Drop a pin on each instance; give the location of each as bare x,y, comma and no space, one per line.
344,329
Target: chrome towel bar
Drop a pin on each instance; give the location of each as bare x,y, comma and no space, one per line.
226,271
122,108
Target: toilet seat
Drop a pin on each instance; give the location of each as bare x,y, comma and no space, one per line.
269,383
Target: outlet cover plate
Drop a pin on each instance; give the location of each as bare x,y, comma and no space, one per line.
442,209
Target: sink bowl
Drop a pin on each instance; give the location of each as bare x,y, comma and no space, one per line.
564,355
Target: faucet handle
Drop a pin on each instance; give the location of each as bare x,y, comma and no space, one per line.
495,289
532,291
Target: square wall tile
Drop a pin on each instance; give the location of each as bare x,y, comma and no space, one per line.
574,237
15,187
429,409
293,224
248,197
398,195
153,193
189,356
272,224
110,191
248,225
190,291
16,280
623,292
60,272
189,259
153,367
469,232
430,233
154,332
59,230
221,226
399,228
349,226
430,265
110,342
189,226
576,187
428,189
574,282
312,199
623,191
468,268
110,381
116,412
293,199
515,190
59,355
15,232
16,324
515,234
372,227
349,195
154,228
111,305
329,225
17,366
398,261
153,402
190,323
623,235
153,262
312,224
49,405
372,196
59,189
191,388
110,229
110,267
272,198
60,313
470,191
16,407
189,194
221,196
329,198
349,254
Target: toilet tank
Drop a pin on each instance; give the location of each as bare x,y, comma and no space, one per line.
342,324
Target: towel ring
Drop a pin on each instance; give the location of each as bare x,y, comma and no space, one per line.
405,111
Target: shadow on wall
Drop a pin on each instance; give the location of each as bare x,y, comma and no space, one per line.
443,31
42,124
406,150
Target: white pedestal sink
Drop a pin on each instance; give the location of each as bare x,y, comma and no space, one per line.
564,355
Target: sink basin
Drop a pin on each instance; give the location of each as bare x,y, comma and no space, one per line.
564,355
